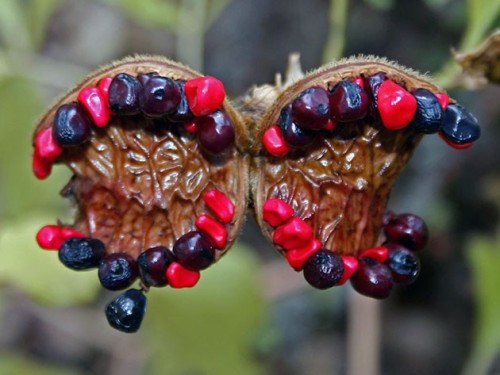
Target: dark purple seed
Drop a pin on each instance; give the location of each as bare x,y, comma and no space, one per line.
311,109
293,134
459,125
194,250
117,271
403,263
152,265
372,279
144,77
372,84
324,269
160,97
182,113
81,253
124,93
125,312
348,102
408,230
71,127
216,132
429,114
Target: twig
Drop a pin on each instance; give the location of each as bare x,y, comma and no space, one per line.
334,47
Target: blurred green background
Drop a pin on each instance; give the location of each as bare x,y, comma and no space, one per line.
250,314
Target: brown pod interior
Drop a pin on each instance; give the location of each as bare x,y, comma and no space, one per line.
137,187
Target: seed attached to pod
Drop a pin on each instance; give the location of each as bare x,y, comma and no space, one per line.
348,102
179,276
372,279
403,263
216,132
408,230
324,269
220,205
71,125
274,142
311,109
117,271
125,312
152,265
124,94
293,134
459,125
298,257
45,145
293,234
213,229
94,102
372,85
160,97
429,115
396,106
275,211
81,253
182,113
204,94
194,250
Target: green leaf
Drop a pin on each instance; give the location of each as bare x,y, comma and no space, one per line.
484,255
207,329
18,365
38,272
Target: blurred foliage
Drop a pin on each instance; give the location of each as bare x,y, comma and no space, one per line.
484,255
18,365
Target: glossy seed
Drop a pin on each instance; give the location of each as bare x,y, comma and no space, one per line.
143,78
298,257
204,94
71,125
215,231
276,211
117,271
160,97
403,263
372,85
152,265
324,269
216,132
396,106
182,277
124,94
379,253
372,279
293,234
49,237
194,250
45,145
126,312
274,143
293,134
408,230
220,204
429,115
94,102
311,109
459,125
350,267
348,102
81,253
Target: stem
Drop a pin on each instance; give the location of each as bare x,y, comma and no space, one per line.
363,335
190,33
334,47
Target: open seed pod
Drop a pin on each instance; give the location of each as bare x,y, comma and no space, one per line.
327,153
149,173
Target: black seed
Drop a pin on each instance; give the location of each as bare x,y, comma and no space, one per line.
117,271
372,84
404,264
125,312
160,97
324,269
81,253
372,279
152,265
182,113
124,93
311,109
429,114
293,134
408,230
348,102
71,127
459,125
144,77
194,250
216,132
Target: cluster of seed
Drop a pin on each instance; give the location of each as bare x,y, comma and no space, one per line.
193,104
317,109
372,273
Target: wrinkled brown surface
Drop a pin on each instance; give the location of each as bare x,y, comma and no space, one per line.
339,185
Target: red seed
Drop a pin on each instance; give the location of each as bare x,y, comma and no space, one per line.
330,125
103,87
191,126
220,204
298,257
379,253
295,233
350,266
275,211
395,105
45,145
204,94
95,104
274,143
68,232
49,237
215,230
360,82
179,276
456,146
41,167
443,99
